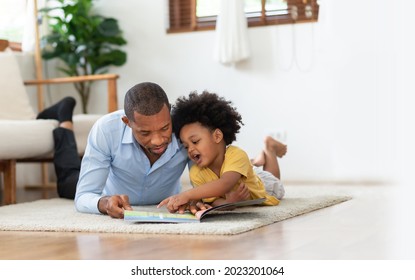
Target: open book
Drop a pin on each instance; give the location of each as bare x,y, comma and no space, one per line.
163,217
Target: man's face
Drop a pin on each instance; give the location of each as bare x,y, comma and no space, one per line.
153,133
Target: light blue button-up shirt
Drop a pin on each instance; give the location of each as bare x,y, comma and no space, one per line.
115,164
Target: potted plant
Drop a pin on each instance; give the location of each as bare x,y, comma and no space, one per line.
84,41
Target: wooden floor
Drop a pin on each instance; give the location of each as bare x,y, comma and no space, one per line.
362,228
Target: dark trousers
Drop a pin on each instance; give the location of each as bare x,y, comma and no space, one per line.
67,162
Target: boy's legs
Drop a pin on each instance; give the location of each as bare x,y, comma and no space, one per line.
66,160
268,157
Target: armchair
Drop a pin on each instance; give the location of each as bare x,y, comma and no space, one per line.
22,137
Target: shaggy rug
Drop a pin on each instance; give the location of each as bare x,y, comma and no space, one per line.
59,215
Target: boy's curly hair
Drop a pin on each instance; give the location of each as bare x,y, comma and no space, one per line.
209,110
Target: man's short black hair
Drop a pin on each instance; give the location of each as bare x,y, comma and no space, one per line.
144,98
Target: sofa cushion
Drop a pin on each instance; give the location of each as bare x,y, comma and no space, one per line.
34,138
22,136
26,139
15,104
82,125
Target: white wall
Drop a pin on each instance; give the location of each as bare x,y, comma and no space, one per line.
339,105
405,101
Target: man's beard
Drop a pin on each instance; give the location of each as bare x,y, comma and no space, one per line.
153,150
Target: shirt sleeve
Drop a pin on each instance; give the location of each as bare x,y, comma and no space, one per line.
236,160
94,171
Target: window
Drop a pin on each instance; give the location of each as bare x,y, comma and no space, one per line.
195,15
12,19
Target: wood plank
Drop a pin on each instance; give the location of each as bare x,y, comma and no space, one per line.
357,229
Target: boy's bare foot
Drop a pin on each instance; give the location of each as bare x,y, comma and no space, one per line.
259,160
274,146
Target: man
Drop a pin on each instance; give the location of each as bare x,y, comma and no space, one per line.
131,157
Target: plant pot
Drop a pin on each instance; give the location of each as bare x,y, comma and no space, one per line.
3,44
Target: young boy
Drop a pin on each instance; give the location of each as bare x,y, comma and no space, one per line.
222,173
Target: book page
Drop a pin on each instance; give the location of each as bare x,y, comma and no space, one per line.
160,217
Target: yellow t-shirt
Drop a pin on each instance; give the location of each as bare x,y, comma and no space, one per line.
238,161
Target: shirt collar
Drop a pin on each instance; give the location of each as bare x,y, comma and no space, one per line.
128,136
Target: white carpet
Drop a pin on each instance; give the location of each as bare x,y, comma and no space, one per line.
60,215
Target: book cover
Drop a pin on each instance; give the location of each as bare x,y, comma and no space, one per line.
166,217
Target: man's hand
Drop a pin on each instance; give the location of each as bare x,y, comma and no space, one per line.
114,206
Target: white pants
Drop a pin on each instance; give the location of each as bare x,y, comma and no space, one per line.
272,184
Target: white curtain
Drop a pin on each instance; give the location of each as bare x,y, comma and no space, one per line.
231,45
29,39
29,33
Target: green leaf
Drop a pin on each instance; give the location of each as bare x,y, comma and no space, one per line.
109,28
82,39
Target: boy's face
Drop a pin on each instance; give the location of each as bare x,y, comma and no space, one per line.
153,133
204,147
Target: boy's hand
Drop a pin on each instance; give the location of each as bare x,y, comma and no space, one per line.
240,194
178,202
195,206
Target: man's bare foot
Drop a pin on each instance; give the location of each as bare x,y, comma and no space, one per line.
274,146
